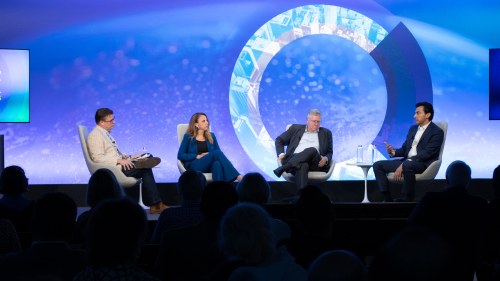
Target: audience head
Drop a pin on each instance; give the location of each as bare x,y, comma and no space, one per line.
103,185
496,182
13,181
458,173
415,254
428,108
254,188
115,232
337,265
217,197
314,211
190,185
246,234
54,218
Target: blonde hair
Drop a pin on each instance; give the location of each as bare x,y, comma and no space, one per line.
192,129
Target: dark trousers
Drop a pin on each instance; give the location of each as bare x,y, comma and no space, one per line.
150,194
215,162
410,168
301,163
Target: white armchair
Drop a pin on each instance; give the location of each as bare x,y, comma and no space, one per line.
181,130
430,173
124,181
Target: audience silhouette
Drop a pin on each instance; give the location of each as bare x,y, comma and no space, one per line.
414,254
50,257
456,216
192,253
338,265
246,236
9,241
490,239
255,189
115,233
190,188
450,235
13,205
102,185
314,215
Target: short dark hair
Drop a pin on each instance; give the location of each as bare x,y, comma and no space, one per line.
101,113
428,108
190,185
496,182
458,173
54,217
217,197
115,231
102,186
13,181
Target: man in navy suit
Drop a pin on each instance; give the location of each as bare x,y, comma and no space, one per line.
420,149
309,148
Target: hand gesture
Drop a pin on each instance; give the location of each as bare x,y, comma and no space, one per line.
390,149
322,162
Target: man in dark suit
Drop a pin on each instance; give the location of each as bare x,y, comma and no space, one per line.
420,149
309,148
456,216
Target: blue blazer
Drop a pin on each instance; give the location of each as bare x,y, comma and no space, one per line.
428,147
189,149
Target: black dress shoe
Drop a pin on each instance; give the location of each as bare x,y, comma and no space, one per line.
279,171
147,163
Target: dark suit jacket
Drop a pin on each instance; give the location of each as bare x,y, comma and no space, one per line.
189,149
291,138
428,147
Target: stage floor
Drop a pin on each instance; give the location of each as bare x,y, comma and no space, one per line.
282,192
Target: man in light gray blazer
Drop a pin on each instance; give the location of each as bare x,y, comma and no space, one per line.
103,149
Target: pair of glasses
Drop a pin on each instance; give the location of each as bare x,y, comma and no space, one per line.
112,120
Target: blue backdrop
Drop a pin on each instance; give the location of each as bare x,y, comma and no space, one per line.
253,67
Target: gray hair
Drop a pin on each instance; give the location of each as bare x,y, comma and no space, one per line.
314,112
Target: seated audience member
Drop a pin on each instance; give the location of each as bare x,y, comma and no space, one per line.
338,265
102,186
192,253
13,205
490,242
190,188
116,233
456,216
314,226
414,254
200,151
50,257
255,189
9,241
246,237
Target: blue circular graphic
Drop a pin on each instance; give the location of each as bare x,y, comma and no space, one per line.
397,55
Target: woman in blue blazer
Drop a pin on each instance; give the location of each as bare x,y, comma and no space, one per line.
199,151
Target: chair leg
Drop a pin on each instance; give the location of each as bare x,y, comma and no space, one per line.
140,197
